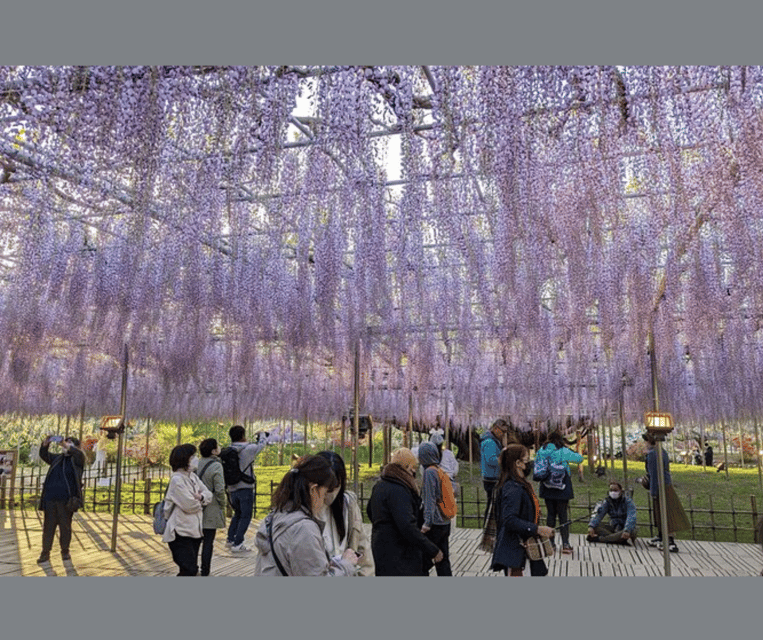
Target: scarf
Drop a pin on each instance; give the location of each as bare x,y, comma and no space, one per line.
395,471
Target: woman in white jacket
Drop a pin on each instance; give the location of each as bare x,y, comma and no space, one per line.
344,521
183,507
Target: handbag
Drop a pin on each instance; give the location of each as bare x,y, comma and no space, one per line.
74,503
538,547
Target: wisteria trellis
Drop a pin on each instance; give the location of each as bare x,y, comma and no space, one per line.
239,229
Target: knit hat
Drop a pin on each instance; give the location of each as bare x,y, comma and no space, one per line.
405,458
435,437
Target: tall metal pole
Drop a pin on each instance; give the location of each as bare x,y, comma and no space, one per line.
660,464
120,443
356,418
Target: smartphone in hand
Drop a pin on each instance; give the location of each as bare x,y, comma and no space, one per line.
56,438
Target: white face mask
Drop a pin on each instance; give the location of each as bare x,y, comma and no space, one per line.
331,496
193,463
614,495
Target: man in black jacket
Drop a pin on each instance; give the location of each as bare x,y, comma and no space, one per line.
63,482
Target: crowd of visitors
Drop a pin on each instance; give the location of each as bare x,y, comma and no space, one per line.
315,526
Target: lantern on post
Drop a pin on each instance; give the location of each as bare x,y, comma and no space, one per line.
113,426
658,425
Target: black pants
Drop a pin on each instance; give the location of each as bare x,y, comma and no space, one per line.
56,515
206,550
489,486
440,534
558,508
185,554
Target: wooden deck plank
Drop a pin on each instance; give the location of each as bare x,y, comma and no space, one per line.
142,553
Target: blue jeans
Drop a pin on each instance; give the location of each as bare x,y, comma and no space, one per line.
242,501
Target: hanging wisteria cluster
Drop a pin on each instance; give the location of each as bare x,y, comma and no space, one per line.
493,240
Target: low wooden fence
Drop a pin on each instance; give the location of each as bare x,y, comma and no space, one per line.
143,487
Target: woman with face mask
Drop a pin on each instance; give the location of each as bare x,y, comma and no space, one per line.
622,518
183,507
290,541
517,513
344,521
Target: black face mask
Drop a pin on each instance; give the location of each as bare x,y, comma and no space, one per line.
528,469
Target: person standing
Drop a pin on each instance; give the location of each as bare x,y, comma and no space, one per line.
60,491
210,472
677,520
344,520
490,448
517,514
184,507
557,499
290,538
708,455
242,492
436,526
394,509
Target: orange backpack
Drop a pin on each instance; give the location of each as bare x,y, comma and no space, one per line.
447,505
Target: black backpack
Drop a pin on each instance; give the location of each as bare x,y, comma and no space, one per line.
231,468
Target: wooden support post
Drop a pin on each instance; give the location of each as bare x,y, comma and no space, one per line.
725,449
81,422
741,445
356,418
759,453
120,444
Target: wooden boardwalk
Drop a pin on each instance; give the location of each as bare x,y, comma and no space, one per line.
141,553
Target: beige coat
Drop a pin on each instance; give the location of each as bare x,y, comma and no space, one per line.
183,508
214,512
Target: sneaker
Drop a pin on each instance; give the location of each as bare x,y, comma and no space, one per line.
44,557
229,543
566,549
65,555
673,547
239,548
654,542
659,545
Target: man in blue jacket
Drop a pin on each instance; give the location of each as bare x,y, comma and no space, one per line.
490,448
622,518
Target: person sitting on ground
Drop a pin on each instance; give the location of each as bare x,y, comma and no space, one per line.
290,539
622,518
